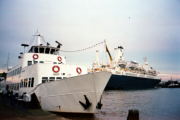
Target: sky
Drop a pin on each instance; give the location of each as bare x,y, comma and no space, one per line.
145,28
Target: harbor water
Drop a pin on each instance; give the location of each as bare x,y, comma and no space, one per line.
153,104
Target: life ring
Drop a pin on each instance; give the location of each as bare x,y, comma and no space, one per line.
35,56
56,71
78,70
59,58
7,87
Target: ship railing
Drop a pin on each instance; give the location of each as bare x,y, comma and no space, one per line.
149,76
131,74
141,75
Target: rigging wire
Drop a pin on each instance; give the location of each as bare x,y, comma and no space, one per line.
85,48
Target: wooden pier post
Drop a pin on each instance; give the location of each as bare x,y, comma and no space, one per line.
133,114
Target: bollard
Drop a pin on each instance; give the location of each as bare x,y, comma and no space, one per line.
133,114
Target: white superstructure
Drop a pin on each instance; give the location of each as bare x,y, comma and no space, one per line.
122,67
44,72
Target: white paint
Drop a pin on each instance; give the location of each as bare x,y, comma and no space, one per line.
66,92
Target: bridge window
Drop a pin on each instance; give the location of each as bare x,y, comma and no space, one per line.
31,50
41,61
35,62
41,50
35,49
52,51
47,50
56,52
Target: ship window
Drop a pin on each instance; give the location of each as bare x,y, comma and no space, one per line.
56,52
44,79
54,62
35,49
52,51
30,51
41,61
35,62
29,84
29,63
58,78
26,82
21,85
32,82
12,86
17,86
41,50
20,70
51,78
47,50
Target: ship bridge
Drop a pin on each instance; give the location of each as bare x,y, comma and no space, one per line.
44,49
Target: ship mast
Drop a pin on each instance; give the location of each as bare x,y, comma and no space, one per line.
38,38
7,61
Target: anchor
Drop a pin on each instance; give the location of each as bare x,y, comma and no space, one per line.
87,105
99,105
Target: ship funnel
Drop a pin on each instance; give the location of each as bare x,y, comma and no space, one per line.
116,54
120,53
97,57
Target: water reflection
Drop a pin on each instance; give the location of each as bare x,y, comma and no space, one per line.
153,104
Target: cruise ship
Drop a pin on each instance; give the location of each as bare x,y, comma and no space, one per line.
58,87
127,74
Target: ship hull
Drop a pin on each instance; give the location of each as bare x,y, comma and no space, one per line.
130,82
65,95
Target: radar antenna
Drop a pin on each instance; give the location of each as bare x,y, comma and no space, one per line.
59,44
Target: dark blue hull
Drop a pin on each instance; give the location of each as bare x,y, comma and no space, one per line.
130,82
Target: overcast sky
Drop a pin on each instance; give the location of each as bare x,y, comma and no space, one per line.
145,28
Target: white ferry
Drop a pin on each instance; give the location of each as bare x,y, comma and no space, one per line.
58,86
127,74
